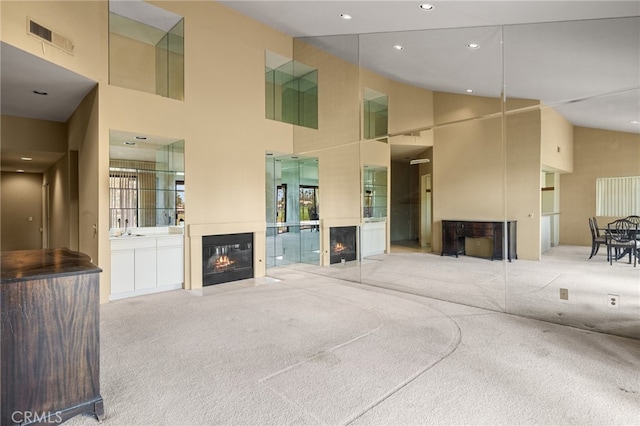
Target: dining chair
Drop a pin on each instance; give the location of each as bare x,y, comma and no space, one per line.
634,219
621,237
596,238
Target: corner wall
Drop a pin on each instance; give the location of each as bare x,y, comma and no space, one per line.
597,153
56,181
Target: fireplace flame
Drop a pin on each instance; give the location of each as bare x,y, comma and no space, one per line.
339,247
223,262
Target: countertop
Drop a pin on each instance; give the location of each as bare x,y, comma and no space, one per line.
148,232
24,265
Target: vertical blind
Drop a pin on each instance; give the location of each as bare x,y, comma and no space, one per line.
132,193
618,196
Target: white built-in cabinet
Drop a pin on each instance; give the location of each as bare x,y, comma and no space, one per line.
146,264
169,271
374,238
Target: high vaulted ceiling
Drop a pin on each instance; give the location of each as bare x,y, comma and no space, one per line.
560,52
581,57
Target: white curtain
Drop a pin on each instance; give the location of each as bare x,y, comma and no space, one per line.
618,196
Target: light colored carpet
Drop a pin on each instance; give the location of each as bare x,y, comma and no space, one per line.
302,349
522,287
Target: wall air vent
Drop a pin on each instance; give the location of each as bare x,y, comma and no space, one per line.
49,36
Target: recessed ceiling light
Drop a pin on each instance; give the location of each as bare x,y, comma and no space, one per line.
345,16
40,92
141,138
635,122
26,158
473,46
130,143
398,47
426,6
469,90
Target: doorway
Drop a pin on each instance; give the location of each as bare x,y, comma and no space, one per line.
22,217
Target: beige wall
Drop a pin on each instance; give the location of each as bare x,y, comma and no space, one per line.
410,107
597,153
468,167
468,174
339,101
24,135
556,142
451,107
56,181
132,64
29,137
222,121
83,133
523,195
477,177
21,201
85,23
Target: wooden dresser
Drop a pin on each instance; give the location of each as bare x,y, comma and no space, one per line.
50,340
455,232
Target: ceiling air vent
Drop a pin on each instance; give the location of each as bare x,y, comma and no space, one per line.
51,37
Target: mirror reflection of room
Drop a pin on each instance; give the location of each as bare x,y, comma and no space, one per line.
146,182
458,152
293,210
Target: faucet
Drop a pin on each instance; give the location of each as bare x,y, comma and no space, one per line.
126,225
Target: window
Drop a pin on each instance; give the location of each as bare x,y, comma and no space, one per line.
143,197
618,196
123,194
179,202
281,207
309,209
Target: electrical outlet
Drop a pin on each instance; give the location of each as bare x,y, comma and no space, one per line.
614,301
564,294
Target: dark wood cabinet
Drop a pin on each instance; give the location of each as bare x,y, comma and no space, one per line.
455,232
50,360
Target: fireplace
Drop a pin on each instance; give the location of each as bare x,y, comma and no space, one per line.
343,244
226,258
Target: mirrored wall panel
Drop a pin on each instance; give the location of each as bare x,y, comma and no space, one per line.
572,149
291,91
293,210
145,54
497,140
146,181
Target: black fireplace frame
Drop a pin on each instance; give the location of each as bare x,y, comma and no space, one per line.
240,242
347,256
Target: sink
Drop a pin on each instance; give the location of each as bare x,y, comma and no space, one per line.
130,235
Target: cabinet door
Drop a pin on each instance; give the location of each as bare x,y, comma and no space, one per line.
122,271
373,238
145,268
170,261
